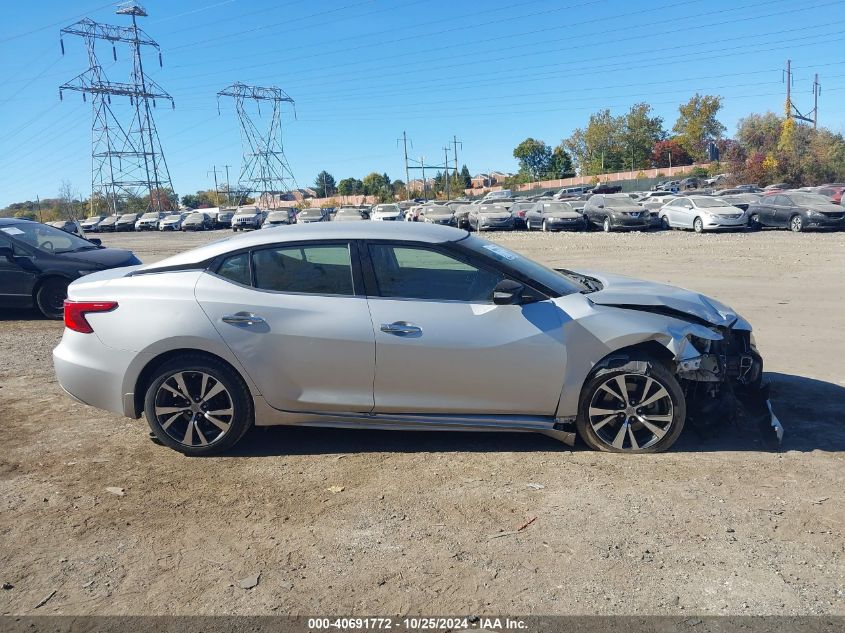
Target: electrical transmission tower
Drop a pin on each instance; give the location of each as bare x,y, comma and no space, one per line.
126,158
264,169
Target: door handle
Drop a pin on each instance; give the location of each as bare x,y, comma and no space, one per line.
401,328
243,318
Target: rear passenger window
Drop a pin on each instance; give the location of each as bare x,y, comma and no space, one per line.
236,268
325,270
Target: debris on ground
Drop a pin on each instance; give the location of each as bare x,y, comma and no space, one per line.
535,486
334,489
45,600
120,492
249,582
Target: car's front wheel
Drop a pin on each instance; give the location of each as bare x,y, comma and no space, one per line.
796,224
637,408
606,225
198,405
664,223
698,225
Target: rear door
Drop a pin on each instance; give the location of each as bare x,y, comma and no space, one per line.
443,347
780,210
295,319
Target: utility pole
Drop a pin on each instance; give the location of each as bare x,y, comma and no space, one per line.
788,88
425,189
216,190
793,112
228,195
446,173
404,140
455,143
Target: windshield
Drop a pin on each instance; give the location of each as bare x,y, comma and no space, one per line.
551,207
709,203
93,218
150,216
247,211
308,213
349,212
553,280
195,217
387,208
47,238
128,216
437,210
621,201
809,198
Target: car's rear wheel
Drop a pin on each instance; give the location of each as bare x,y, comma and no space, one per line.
698,225
50,297
638,408
198,406
796,224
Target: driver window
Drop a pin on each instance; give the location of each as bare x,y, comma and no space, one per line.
421,273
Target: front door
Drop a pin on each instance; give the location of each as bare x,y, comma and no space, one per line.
443,347
16,283
292,317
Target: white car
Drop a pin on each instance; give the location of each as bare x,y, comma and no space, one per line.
387,212
701,213
150,221
386,325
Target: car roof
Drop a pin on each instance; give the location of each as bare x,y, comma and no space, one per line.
13,221
406,231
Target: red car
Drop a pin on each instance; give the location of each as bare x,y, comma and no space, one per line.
832,191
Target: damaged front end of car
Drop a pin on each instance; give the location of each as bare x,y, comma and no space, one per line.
713,351
722,378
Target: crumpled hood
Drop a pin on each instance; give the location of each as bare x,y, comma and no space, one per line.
625,292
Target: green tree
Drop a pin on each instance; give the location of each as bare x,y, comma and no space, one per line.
324,184
697,124
600,147
465,176
350,187
534,157
640,133
375,184
560,165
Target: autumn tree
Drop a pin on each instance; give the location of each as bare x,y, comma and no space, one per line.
697,124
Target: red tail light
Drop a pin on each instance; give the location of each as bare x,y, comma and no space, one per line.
75,312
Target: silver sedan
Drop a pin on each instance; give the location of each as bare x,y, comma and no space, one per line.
702,213
400,326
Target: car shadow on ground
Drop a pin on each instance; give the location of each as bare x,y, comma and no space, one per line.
810,410
21,314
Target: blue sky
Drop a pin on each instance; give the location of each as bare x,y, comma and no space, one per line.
362,71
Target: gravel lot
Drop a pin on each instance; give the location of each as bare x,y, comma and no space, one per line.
427,523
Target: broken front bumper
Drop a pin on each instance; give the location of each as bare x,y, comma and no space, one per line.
725,384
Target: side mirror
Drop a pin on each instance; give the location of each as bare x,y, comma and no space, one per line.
600,206
96,241
508,292
7,252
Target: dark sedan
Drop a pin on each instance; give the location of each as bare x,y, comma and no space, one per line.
616,211
38,262
796,211
198,222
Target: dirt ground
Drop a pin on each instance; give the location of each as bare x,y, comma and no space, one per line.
427,523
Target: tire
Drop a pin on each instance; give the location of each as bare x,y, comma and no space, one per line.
754,223
527,225
50,297
545,227
183,424
698,225
664,224
796,224
606,225
644,377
